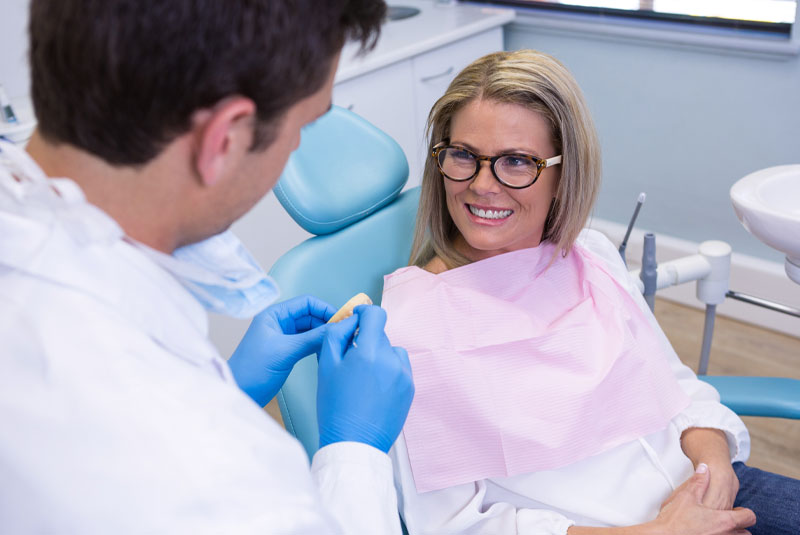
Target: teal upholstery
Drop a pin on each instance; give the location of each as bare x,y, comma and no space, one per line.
344,169
334,268
776,397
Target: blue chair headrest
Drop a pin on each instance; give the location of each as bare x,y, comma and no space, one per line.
344,169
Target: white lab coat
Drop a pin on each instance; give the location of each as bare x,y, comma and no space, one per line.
119,416
620,487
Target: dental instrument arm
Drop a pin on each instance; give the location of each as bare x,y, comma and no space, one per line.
710,267
648,272
624,244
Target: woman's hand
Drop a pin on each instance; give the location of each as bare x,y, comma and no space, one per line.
723,487
710,447
684,511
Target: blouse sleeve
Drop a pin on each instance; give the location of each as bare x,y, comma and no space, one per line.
705,409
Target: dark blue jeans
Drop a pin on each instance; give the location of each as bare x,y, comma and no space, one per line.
775,500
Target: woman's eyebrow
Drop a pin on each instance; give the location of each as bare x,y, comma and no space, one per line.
512,150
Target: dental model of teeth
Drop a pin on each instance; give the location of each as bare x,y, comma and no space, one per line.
347,309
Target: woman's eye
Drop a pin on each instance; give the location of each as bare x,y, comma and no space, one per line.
515,161
460,154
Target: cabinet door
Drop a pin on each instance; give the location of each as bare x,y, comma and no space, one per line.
385,98
434,70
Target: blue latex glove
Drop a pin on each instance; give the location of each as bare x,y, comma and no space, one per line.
365,385
277,338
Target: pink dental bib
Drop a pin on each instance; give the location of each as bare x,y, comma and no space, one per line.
521,367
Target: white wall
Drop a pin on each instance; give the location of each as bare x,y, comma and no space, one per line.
14,47
682,124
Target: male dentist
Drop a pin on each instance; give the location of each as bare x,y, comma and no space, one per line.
160,124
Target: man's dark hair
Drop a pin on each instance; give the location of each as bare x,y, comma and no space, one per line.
121,78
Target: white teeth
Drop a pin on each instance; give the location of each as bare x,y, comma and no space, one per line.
490,214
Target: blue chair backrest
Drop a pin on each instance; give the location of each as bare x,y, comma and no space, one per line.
343,182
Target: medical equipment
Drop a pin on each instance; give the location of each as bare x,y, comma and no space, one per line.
17,119
710,268
631,223
364,227
6,110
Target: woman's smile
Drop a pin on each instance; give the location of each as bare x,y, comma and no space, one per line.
488,215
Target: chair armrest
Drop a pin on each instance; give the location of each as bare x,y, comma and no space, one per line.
777,397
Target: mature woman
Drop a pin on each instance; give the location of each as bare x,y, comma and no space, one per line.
547,396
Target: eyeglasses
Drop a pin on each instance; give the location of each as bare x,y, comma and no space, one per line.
512,170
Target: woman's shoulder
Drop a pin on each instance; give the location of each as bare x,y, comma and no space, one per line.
598,243
603,249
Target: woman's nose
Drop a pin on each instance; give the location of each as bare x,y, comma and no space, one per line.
485,182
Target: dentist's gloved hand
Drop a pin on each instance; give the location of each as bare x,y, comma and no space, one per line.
277,338
365,385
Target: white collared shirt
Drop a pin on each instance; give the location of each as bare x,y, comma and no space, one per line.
119,416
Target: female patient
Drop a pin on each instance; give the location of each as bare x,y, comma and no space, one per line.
548,400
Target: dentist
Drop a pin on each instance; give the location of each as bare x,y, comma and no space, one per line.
160,124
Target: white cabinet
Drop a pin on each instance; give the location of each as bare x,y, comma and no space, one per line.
397,98
434,70
385,97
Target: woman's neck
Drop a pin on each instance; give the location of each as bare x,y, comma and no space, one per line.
435,266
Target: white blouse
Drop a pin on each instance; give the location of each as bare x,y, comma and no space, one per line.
622,486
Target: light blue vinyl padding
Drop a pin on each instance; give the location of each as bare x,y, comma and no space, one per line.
344,169
334,268
775,397
343,184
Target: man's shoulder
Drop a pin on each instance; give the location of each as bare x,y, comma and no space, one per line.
45,323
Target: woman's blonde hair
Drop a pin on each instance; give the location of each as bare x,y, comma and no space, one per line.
539,83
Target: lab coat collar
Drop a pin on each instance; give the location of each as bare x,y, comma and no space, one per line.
48,230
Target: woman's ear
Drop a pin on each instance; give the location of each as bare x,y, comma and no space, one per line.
223,134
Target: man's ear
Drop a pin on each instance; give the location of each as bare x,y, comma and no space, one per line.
222,135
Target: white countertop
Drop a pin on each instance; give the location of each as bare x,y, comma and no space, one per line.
437,24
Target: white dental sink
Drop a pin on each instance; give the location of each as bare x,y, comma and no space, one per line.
401,12
767,203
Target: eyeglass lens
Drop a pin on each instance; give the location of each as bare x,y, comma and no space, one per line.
459,164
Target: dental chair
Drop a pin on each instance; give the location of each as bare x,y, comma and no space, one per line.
344,185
